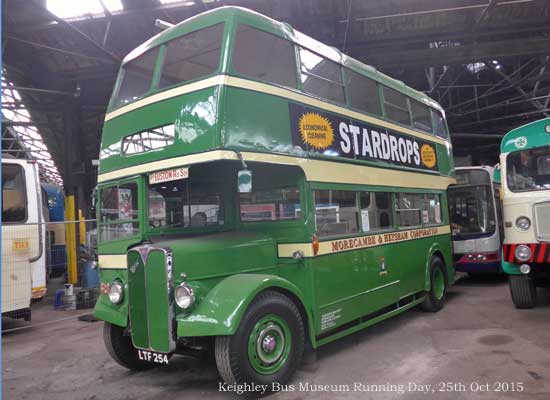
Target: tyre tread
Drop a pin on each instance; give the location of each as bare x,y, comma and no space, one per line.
523,291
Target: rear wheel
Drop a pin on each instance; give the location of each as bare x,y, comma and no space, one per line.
268,346
120,347
523,291
435,298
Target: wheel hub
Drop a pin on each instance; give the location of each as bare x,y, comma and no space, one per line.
270,344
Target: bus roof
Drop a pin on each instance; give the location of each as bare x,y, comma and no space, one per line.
534,134
222,14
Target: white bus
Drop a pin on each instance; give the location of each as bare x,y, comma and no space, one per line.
24,215
525,161
476,220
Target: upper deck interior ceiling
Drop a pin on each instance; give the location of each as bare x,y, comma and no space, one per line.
485,61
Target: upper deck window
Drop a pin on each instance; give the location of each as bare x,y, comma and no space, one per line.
136,78
363,93
396,106
321,77
192,56
439,123
422,118
263,56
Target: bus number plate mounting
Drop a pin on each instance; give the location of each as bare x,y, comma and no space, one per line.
151,356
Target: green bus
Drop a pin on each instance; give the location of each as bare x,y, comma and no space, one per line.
261,193
525,170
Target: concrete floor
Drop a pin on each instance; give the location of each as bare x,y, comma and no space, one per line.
479,338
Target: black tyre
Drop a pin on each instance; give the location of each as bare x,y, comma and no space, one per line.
268,345
523,291
435,297
120,347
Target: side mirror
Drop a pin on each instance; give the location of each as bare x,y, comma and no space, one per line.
496,175
244,181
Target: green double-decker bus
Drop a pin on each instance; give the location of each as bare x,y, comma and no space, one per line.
261,194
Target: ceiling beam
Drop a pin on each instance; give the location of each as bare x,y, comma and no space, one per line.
62,22
392,58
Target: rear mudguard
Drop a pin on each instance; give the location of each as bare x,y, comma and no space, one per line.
221,310
436,247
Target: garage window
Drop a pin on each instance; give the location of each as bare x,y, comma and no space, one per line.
321,77
192,56
263,56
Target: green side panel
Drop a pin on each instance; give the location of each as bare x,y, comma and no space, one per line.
104,309
194,115
247,126
138,306
158,304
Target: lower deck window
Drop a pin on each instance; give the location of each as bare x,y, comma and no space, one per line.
415,209
270,205
376,211
336,212
119,212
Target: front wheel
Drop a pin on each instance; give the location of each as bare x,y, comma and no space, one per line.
435,298
523,291
120,348
268,345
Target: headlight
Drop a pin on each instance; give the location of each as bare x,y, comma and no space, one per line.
116,292
184,295
523,223
523,253
525,269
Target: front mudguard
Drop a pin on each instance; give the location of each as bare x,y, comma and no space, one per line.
104,309
508,268
222,309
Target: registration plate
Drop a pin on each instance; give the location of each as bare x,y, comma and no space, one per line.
151,356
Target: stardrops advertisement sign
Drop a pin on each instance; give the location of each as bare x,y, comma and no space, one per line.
330,134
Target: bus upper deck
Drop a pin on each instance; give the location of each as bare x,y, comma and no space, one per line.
231,79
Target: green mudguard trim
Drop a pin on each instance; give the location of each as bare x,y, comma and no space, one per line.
107,312
509,268
221,311
447,259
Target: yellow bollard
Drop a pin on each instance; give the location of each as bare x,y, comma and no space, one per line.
70,239
81,227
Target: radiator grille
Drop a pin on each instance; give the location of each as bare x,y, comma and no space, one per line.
542,216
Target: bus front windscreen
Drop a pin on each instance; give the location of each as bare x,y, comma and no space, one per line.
472,211
528,170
